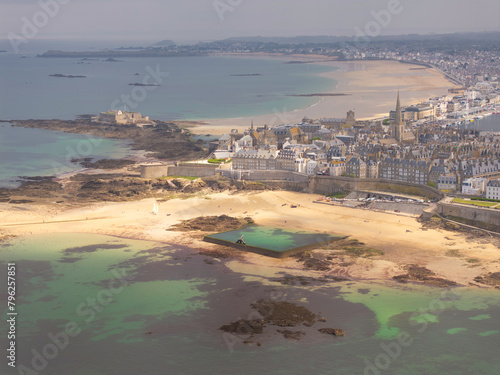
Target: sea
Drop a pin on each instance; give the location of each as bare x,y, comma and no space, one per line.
183,88
99,305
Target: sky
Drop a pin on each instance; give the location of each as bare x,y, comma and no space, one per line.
195,20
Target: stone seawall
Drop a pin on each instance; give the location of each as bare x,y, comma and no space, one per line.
154,170
485,215
326,185
185,170
267,176
329,185
192,171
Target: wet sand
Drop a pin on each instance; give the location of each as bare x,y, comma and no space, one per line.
370,89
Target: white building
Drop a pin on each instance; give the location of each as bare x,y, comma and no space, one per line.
311,166
474,186
493,189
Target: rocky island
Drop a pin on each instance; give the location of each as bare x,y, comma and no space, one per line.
58,75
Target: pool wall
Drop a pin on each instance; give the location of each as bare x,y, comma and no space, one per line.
267,252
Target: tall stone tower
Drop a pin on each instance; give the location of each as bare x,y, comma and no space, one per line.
399,125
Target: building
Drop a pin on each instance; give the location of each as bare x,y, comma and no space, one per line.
355,167
337,168
449,182
419,112
286,160
254,159
412,171
474,186
372,169
493,189
124,118
452,107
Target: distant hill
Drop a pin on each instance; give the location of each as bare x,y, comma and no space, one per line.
164,43
324,39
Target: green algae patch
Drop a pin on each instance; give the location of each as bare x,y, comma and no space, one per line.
489,333
454,331
425,318
480,317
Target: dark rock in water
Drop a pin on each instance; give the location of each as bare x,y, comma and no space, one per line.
291,335
423,275
103,163
144,84
58,75
332,331
111,60
244,327
284,314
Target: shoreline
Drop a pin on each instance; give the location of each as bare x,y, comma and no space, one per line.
403,240
369,87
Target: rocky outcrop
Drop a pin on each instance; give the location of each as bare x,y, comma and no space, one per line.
424,276
278,313
212,224
491,279
332,331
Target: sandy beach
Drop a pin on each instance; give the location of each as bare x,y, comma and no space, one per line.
402,238
370,89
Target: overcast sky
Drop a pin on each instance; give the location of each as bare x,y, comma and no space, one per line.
184,20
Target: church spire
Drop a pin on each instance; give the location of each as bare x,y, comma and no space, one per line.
399,125
399,116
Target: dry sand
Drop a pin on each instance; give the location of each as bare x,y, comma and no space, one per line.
371,87
387,232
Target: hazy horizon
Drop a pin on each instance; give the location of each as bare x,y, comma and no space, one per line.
197,20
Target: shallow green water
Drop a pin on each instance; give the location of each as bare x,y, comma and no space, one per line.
274,239
164,317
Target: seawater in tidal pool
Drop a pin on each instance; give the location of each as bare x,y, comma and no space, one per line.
274,239
146,307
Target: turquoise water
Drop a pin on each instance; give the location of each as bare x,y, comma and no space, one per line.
274,239
164,318
195,88
36,152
